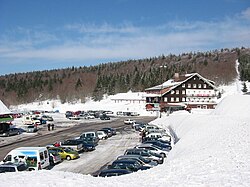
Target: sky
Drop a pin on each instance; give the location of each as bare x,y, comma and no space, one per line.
44,34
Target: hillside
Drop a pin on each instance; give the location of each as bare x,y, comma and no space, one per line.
110,78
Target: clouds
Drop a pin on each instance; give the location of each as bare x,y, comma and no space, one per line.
246,13
92,42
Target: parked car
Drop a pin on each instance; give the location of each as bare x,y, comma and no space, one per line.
142,160
145,153
131,165
13,167
159,143
31,128
102,135
113,131
91,140
87,145
153,148
69,114
129,121
65,153
54,157
72,143
113,172
11,132
104,117
107,131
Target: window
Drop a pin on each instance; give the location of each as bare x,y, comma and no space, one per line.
194,85
183,86
183,92
177,91
204,85
41,156
46,154
189,85
172,99
199,85
183,99
172,91
177,99
165,99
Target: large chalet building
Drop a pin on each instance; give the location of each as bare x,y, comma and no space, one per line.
183,91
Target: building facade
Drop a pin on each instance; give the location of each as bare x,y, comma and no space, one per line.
185,91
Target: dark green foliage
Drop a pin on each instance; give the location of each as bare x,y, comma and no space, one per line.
244,89
244,67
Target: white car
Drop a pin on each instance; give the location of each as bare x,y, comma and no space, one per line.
154,149
129,121
102,135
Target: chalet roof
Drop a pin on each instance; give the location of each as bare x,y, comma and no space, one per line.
173,83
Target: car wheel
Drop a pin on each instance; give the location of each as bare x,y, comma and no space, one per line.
163,155
18,133
68,157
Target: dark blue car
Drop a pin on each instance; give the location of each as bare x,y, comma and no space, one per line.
113,172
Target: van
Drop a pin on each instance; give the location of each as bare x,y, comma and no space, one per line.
36,158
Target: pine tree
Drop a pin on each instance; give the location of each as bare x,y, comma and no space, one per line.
244,89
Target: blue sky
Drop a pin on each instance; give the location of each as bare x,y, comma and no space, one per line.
50,34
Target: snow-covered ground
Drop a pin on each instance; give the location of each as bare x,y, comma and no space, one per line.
212,150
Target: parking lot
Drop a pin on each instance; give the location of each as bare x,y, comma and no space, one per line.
106,152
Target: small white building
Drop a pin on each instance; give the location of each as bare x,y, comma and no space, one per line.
130,97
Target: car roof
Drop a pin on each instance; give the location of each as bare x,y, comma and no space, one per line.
126,161
115,171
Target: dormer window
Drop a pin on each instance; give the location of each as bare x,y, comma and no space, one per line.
183,85
172,91
204,85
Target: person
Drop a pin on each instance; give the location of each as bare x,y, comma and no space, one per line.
52,126
49,127
143,135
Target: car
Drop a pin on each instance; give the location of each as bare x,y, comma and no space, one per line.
11,132
153,148
54,157
131,165
88,146
113,131
102,135
159,143
31,128
73,143
129,121
13,167
91,140
69,114
65,153
142,160
107,131
145,153
113,172
104,117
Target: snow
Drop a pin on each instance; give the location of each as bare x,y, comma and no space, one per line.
4,109
212,149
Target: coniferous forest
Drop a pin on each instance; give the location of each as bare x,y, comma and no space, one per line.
109,78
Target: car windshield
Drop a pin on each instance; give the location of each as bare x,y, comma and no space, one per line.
144,159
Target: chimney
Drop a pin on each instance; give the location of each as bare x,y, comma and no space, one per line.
176,76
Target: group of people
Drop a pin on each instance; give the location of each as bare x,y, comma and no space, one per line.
51,126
